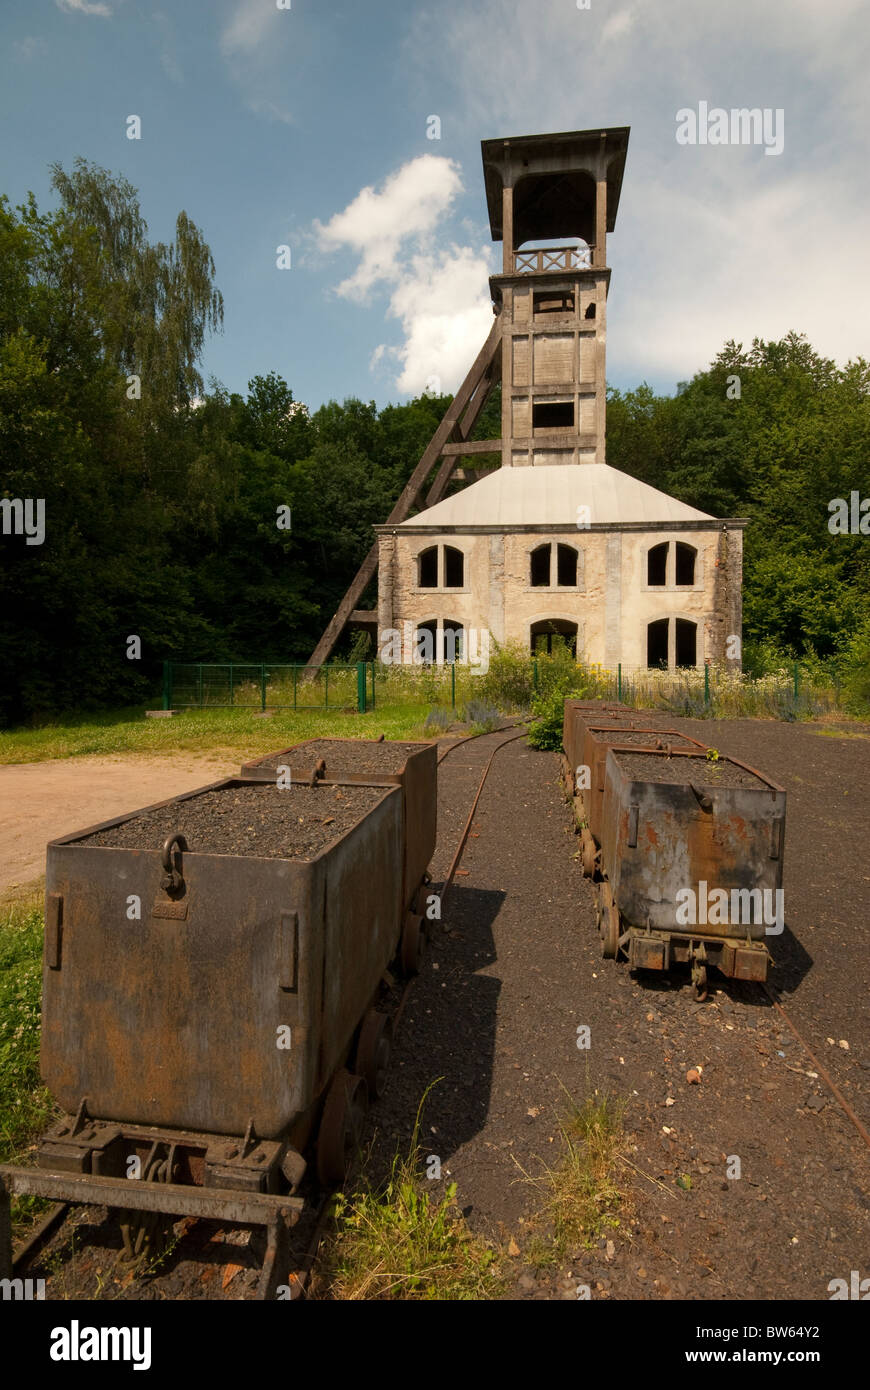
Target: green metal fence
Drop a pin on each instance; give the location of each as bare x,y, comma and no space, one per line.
792,692
239,685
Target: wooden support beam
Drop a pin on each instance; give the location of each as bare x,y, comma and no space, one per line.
599,253
474,446
414,485
507,229
363,615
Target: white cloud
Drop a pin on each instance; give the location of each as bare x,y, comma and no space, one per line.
439,295
247,29
254,42
376,225
442,302
617,24
94,7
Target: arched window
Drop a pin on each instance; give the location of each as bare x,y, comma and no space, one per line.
687,642
540,567
428,568
657,643
685,564
454,637
657,564
454,567
425,638
566,566
553,632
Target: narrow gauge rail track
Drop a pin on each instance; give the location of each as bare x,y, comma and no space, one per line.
60,1212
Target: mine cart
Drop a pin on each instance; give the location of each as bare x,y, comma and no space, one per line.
598,740
212,965
599,709
691,858
412,766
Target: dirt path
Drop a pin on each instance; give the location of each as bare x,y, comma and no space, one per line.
39,801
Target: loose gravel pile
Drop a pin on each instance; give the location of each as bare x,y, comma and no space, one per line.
652,767
349,756
648,738
262,820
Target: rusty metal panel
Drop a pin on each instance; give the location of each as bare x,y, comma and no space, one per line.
240,1208
600,737
743,963
572,741
415,771
688,834
174,1021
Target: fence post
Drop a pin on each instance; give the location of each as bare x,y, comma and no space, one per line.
706,685
232,687
167,685
795,683
361,687
199,683
373,685
453,684
295,674
619,680
326,688
535,676
262,687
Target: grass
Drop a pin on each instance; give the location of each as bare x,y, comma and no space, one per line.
581,1198
26,1107
235,732
405,1241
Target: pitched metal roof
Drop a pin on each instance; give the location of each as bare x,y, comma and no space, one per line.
550,495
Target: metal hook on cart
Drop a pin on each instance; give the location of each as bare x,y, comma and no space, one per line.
173,880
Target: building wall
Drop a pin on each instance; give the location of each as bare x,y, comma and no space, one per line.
611,603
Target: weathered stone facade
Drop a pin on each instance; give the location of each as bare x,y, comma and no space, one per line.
611,603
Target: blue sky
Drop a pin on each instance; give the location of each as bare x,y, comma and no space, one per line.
267,125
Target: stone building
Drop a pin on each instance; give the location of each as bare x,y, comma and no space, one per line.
554,540
645,580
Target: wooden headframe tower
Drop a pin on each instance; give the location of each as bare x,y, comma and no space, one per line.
547,344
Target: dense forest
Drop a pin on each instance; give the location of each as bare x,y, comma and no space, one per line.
166,502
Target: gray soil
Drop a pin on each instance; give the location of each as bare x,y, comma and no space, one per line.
340,756
262,820
652,767
649,738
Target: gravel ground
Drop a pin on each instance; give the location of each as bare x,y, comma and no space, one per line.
516,967
650,738
652,767
269,822
342,755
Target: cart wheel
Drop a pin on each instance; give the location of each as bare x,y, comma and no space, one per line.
340,1127
610,932
413,942
588,854
373,1051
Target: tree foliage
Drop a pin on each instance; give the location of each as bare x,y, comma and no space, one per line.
162,503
